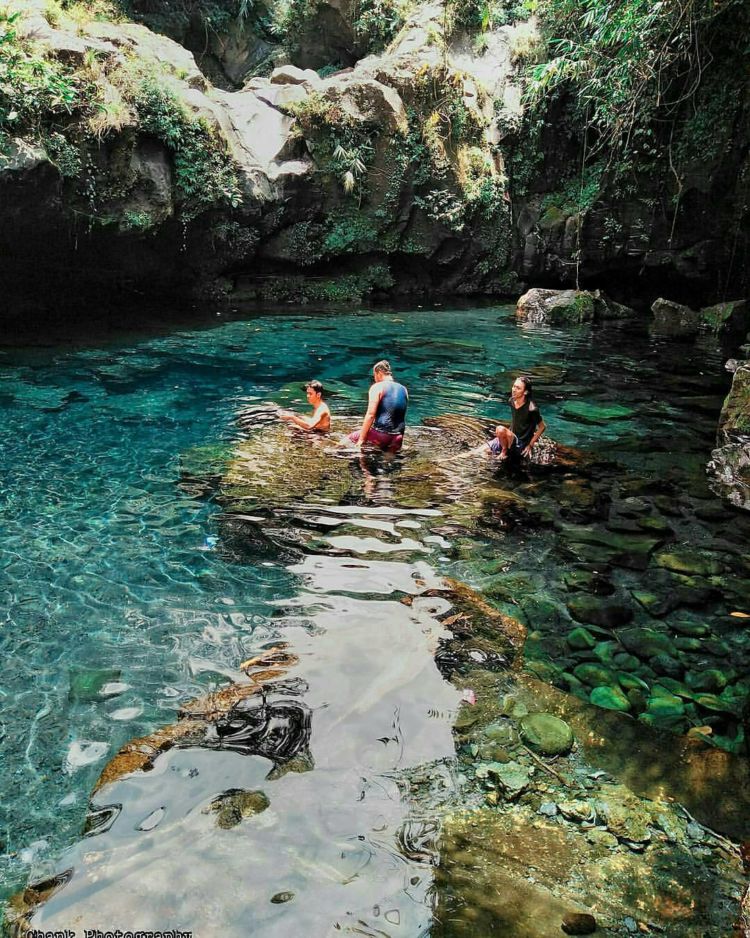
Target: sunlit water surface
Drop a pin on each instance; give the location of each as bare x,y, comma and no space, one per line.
119,605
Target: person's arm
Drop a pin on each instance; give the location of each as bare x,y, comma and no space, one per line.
304,423
540,428
376,392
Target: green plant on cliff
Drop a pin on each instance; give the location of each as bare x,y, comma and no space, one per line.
204,172
376,22
631,63
343,145
35,89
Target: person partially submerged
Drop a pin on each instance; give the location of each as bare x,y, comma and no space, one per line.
385,421
320,421
526,423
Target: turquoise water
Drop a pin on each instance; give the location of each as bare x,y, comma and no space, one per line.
117,604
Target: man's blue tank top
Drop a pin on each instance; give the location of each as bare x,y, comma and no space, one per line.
391,411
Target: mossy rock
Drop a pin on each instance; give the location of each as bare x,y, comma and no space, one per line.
691,629
689,562
632,682
89,684
665,705
609,698
594,611
235,805
711,680
580,639
595,675
718,704
546,733
596,414
645,643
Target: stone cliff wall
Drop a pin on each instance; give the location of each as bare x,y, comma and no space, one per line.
412,170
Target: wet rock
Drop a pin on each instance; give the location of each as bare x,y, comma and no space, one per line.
597,414
556,306
625,815
609,698
626,662
655,605
683,643
727,318
580,639
512,779
631,682
711,680
645,643
578,811
729,472
666,664
579,923
666,706
589,609
89,684
587,581
546,733
235,805
689,562
675,319
595,675
694,629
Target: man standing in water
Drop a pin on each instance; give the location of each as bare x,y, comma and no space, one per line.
526,424
320,422
384,422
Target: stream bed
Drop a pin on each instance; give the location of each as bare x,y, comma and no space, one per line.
165,541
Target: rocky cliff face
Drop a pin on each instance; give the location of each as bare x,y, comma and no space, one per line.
409,170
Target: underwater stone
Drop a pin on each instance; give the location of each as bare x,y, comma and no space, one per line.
717,704
665,706
693,629
86,684
610,698
580,639
595,675
689,562
646,642
598,414
546,733
653,604
710,680
683,643
578,923
235,805
631,682
626,662
666,664
588,609
511,777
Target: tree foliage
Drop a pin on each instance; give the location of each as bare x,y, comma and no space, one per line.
634,64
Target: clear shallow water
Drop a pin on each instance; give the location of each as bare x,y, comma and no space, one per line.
117,608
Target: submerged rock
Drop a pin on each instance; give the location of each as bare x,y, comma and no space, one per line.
546,733
235,805
579,923
609,698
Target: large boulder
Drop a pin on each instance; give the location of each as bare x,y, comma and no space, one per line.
556,306
732,317
729,467
675,319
